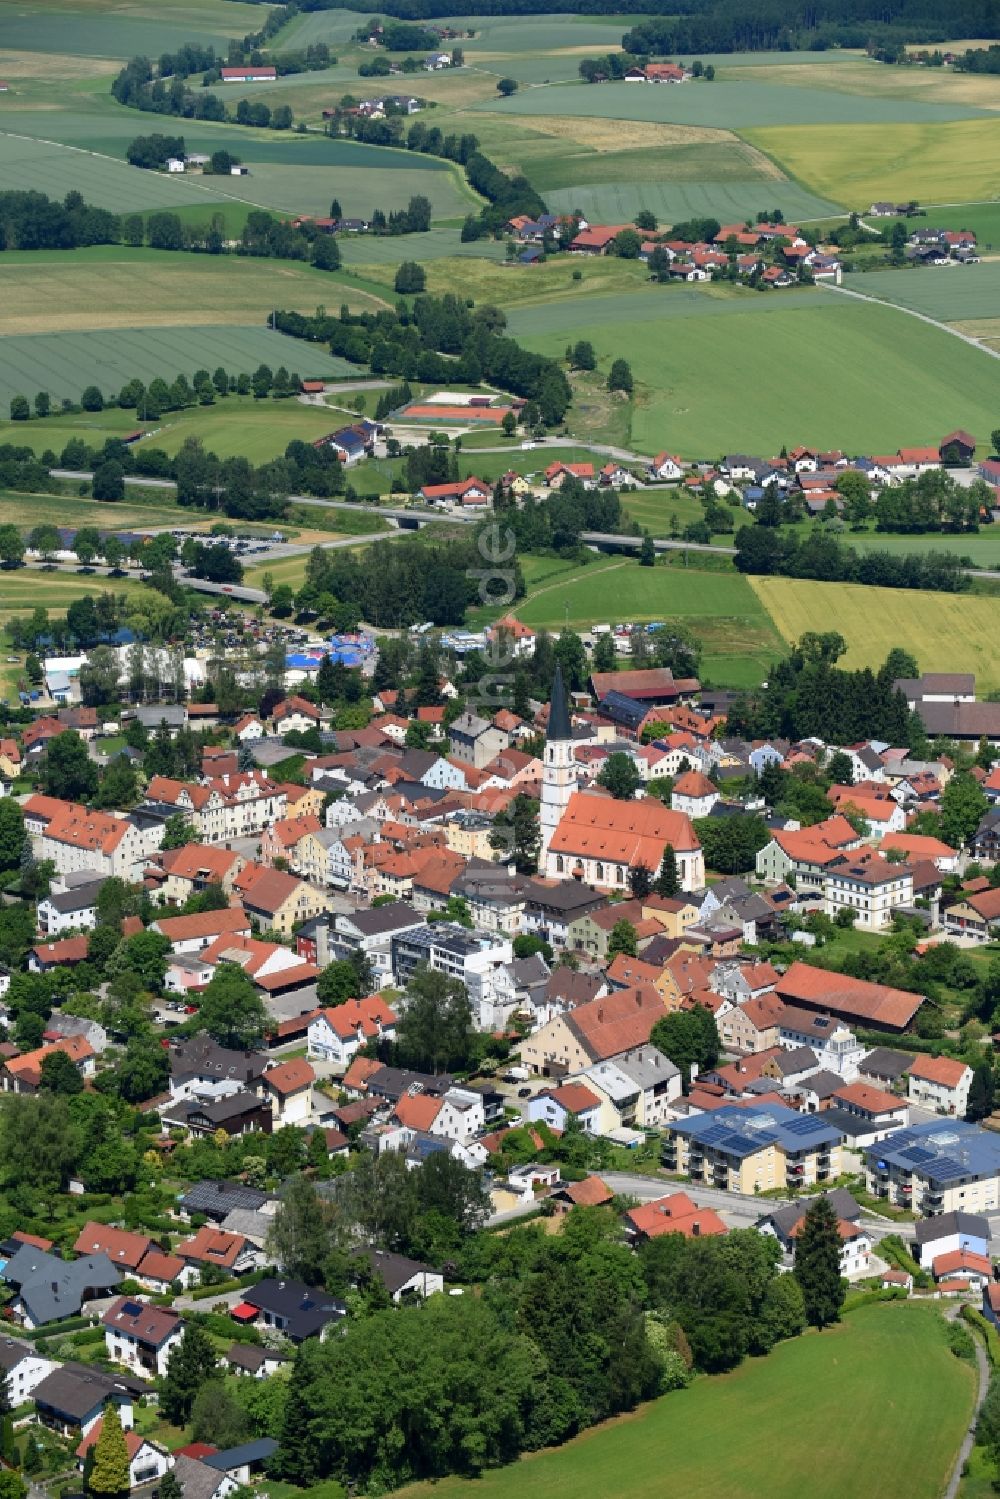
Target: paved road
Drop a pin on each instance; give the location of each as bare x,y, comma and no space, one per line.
968,1441
633,543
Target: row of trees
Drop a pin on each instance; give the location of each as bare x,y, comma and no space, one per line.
762,549
137,87
421,342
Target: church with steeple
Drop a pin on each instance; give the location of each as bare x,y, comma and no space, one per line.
558,779
589,836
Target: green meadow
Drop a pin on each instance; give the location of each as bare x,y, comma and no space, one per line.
878,1395
952,293
728,105
63,364
819,368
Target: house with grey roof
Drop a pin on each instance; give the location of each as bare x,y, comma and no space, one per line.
199,1481
73,1397
474,740
243,1462
403,1278
49,1289
65,910
217,1199
22,1369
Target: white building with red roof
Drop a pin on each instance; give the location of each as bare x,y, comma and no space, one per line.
940,1083
336,1034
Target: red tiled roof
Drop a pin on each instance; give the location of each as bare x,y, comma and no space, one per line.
943,1070
290,1077
120,1246
419,1111
877,1004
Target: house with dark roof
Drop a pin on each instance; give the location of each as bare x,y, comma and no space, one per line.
290,1307
49,1289
404,1279
141,1336
217,1199
73,1398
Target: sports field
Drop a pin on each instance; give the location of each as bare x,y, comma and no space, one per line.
738,639
939,628
258,430
901,1402
861,163
110,286
740,381
734,105
63,364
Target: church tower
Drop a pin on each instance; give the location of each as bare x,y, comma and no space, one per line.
558,781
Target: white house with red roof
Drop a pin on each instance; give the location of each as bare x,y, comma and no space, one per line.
468,493
666,466
940,1083
556,1106
694,794
336,1034
557,473
148,1462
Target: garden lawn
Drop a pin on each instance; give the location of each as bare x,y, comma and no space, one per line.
64,364
860,163
881,1390
734,105
737,637
939,628
113,286
818,369
656,510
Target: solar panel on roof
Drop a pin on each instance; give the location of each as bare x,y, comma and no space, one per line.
806,1124
917,1154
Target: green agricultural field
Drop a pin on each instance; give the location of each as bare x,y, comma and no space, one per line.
861,163
63,364
939,628
731,202
363,250
738,639
952,293
27,510
121,28
108,286
728,105
49,167
982,218
900,1394
982,548
24,590
69,148
657,510
898,381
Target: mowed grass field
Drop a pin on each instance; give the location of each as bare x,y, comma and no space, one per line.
110,286
28,510
818,368
730,105
901,1404
235,427
860,163
64,364
738,639
939,628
